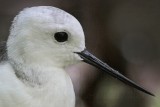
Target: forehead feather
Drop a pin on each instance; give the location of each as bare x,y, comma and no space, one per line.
50,14
45,16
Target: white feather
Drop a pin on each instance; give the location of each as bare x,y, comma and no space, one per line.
34,75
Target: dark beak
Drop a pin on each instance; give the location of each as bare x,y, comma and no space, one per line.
92,60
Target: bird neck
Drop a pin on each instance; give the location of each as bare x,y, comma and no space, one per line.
38,75
47,85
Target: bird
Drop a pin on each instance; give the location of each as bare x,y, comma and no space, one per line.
42,42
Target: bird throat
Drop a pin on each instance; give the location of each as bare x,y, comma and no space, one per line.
31,76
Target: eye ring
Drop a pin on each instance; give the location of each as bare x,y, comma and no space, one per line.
61,36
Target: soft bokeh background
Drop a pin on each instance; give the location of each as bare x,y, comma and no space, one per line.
123,33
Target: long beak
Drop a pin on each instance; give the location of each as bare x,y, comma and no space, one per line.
92,60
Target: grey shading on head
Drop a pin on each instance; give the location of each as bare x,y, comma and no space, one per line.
28,15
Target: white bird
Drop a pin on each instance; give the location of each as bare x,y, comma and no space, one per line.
43,41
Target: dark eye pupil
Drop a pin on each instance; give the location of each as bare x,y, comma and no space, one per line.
61,36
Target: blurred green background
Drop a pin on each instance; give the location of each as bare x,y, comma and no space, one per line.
123,33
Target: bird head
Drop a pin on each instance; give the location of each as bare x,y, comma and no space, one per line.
45,35
48,36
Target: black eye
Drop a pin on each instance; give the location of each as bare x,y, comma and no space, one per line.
61,36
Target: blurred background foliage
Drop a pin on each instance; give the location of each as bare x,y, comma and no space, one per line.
123,33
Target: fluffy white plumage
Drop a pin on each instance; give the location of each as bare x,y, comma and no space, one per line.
34,74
